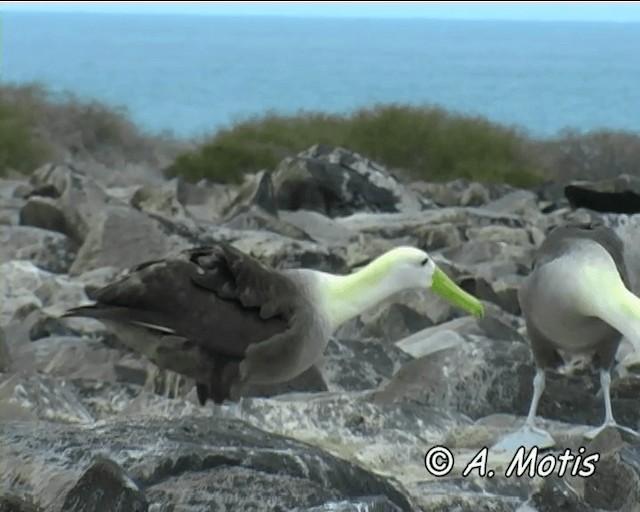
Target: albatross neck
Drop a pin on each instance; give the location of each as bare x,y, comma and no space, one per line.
622,311
346,296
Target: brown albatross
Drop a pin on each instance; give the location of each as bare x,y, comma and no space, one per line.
576,302
225,320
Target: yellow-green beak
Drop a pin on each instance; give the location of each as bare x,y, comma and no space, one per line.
450,291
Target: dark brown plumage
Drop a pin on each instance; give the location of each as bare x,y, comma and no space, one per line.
198,331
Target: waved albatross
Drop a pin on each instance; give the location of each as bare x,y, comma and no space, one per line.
225,320
576,302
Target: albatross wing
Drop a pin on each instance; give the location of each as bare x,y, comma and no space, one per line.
199,315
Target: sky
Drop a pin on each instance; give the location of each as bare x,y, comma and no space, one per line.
542,11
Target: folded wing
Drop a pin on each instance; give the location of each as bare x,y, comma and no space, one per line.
198,315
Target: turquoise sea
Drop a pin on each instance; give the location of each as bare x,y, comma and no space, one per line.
193,74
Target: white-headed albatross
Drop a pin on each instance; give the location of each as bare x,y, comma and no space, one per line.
576,302
225,320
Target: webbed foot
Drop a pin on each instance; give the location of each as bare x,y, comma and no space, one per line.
591,434
527,436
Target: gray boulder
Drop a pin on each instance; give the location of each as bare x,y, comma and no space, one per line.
48,250
355,365
476,378
448,224
520,202
123,237
45,213
318,227
26,286
282,252
453,193
206,202
78,198
255,218
488,376
43,398
162,201
256,191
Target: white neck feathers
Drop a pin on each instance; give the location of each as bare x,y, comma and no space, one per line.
345,297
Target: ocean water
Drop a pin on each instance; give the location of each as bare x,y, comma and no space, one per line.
194,74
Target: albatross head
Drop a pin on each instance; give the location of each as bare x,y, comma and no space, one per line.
398,269
413,268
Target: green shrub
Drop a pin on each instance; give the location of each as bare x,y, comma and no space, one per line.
223,163
256,144
425,143
434,145
419,143
20,148
55,126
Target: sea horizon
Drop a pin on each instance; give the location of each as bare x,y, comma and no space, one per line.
193,74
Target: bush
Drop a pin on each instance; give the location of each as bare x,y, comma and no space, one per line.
220,163
255,144
53,127
420,143
426,143
20,149
434,145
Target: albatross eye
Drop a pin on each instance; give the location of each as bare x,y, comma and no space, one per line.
424,262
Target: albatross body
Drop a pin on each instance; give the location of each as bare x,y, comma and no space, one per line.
576,302
223,319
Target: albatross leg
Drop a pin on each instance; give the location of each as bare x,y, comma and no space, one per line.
529,435
609,420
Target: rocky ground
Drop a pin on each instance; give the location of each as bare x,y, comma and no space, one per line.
85,422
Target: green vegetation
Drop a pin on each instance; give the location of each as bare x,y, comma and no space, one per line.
20,148
260,143
425,143
36,127
416,143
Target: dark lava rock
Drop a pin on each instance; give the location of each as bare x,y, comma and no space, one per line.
556,494
196,464
337,182
488,376
354,365
105,487
619,195
615,484
5,360
44,213
16,504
